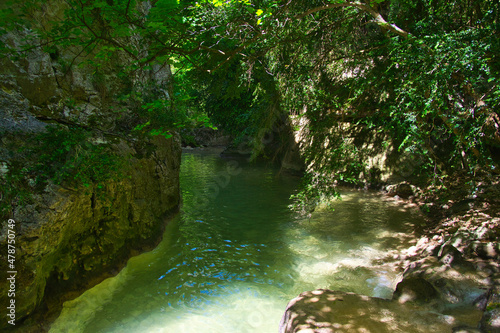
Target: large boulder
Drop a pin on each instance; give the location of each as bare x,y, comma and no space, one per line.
403,190
328,311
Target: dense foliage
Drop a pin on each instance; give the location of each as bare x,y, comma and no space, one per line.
425,73
118,47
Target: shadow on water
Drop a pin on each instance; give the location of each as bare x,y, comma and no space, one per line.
235,256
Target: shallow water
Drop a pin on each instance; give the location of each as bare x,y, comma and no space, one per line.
235,255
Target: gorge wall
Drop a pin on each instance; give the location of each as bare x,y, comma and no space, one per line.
68,234
68,239
370,156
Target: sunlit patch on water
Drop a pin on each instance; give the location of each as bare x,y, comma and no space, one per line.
235,256
243,310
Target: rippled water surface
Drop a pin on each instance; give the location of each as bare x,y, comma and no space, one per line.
235,255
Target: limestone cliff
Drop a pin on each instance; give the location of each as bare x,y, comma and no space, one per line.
70,235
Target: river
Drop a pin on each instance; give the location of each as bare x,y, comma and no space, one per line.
235,255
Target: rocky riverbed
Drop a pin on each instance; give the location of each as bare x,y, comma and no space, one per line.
450,277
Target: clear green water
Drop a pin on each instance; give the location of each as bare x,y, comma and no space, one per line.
236,255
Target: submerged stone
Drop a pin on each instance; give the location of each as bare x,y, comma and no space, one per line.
415,289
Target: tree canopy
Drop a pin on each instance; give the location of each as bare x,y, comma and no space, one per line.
424,71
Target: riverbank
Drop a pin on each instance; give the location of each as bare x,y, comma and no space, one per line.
449,276
237,254
457,251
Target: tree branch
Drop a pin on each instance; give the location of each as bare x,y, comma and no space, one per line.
101,36
379,19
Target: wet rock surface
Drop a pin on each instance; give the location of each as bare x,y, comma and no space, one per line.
415,289
490,322
71,239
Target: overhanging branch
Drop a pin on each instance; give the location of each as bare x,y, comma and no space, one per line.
379,19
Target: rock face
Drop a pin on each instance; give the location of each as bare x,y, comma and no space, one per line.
68,236
328,311
372,155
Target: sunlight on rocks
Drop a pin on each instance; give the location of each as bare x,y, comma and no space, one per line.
242,285
348,312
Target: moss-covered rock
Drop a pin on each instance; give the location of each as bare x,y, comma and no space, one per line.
70,237
70,234
490,322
